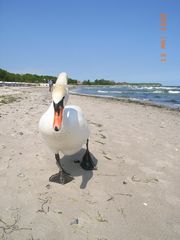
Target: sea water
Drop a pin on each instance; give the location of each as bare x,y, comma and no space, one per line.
163,95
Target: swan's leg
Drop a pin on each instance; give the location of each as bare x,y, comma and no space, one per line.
87,162
63,176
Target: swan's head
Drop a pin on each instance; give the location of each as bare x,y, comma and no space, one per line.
60,98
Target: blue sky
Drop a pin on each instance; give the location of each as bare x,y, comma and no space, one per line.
89,39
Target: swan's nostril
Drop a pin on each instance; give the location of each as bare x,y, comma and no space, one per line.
56,129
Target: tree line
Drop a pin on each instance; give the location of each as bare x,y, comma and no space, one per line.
6,76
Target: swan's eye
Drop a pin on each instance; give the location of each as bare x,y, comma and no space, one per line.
58,105
61,103
55,106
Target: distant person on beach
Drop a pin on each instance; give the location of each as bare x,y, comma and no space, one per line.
50,82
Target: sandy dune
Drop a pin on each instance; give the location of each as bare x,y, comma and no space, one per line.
134,194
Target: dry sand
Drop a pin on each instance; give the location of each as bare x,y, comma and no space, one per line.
134,194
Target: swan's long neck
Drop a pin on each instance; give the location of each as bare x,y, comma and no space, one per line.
59,97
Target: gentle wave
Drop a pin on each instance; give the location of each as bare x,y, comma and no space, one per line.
152,88
101,91
170,91
168,88
158,91
138,99
168,95
173,92
115,91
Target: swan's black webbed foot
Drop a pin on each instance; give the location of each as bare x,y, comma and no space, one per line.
87,162
62,177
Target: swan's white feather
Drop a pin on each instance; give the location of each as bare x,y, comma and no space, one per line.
62,79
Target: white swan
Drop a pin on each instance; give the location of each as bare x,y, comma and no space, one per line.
64,128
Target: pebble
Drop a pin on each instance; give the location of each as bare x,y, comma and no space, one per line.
21,175
48,186
74,221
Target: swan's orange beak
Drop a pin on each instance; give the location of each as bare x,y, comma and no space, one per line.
58,115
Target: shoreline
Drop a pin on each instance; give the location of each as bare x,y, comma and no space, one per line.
15,90
128,100
120,99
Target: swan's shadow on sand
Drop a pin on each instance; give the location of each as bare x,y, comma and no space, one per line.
71,164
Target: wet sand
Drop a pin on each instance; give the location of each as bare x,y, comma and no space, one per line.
134,194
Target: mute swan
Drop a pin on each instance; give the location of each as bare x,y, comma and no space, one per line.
65,129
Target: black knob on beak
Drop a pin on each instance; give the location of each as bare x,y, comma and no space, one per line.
56,129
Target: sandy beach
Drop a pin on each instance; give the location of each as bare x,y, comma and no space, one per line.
134,194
